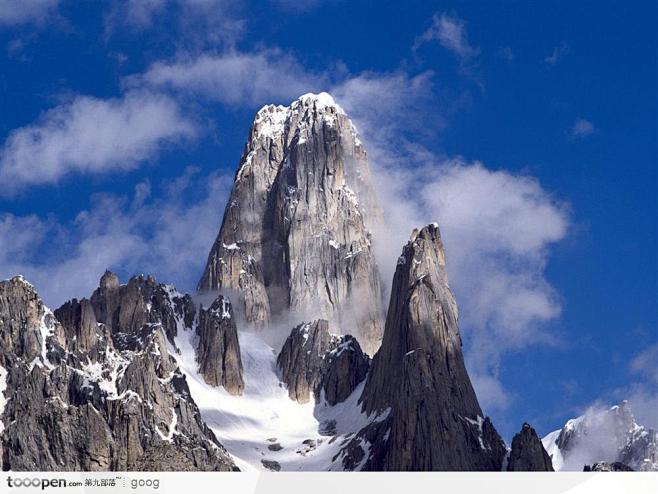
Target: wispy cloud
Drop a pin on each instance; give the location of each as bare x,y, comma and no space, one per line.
498,227
643,394
91,135
450,32
195,24
506,53
235,78
646,363
301,5
16,12
160,234
557,54
581,128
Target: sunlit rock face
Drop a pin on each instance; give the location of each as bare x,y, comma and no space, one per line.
296,234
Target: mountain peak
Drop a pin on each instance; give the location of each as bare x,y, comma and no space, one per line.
419,372
320,101
296,234
603,434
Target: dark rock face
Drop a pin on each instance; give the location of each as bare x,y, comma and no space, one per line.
418,380
218,352
603,466
98,391
301,359
296,229
315,361
346,366
528,453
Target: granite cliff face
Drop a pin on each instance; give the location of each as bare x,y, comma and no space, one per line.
418,379
296,234
94,387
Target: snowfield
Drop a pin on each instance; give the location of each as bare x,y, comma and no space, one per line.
264,424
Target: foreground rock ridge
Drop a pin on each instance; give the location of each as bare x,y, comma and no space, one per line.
418,378
296,233
94,385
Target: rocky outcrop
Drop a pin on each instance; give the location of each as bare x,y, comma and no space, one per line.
296,230
641,450
418,384
528,453
86,394
83,332
218,352
126,309
301,360
603,466
346,366
314,362
606,436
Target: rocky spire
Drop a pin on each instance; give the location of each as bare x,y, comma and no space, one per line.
418,377
528,453
296,230
218,351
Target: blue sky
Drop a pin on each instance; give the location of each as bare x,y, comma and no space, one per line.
528,129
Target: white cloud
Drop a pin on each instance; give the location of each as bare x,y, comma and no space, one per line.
235,78
388,103
497,227
197,24
646,363
557,54
142,12
643,395
15,12
644,401
293,6
581,128
450,32
163,236
91,135
507,54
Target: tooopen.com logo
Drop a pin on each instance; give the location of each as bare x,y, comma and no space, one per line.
37,482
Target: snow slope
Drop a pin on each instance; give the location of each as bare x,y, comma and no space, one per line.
264,423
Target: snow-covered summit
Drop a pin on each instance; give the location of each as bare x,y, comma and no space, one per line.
271,120
609,435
